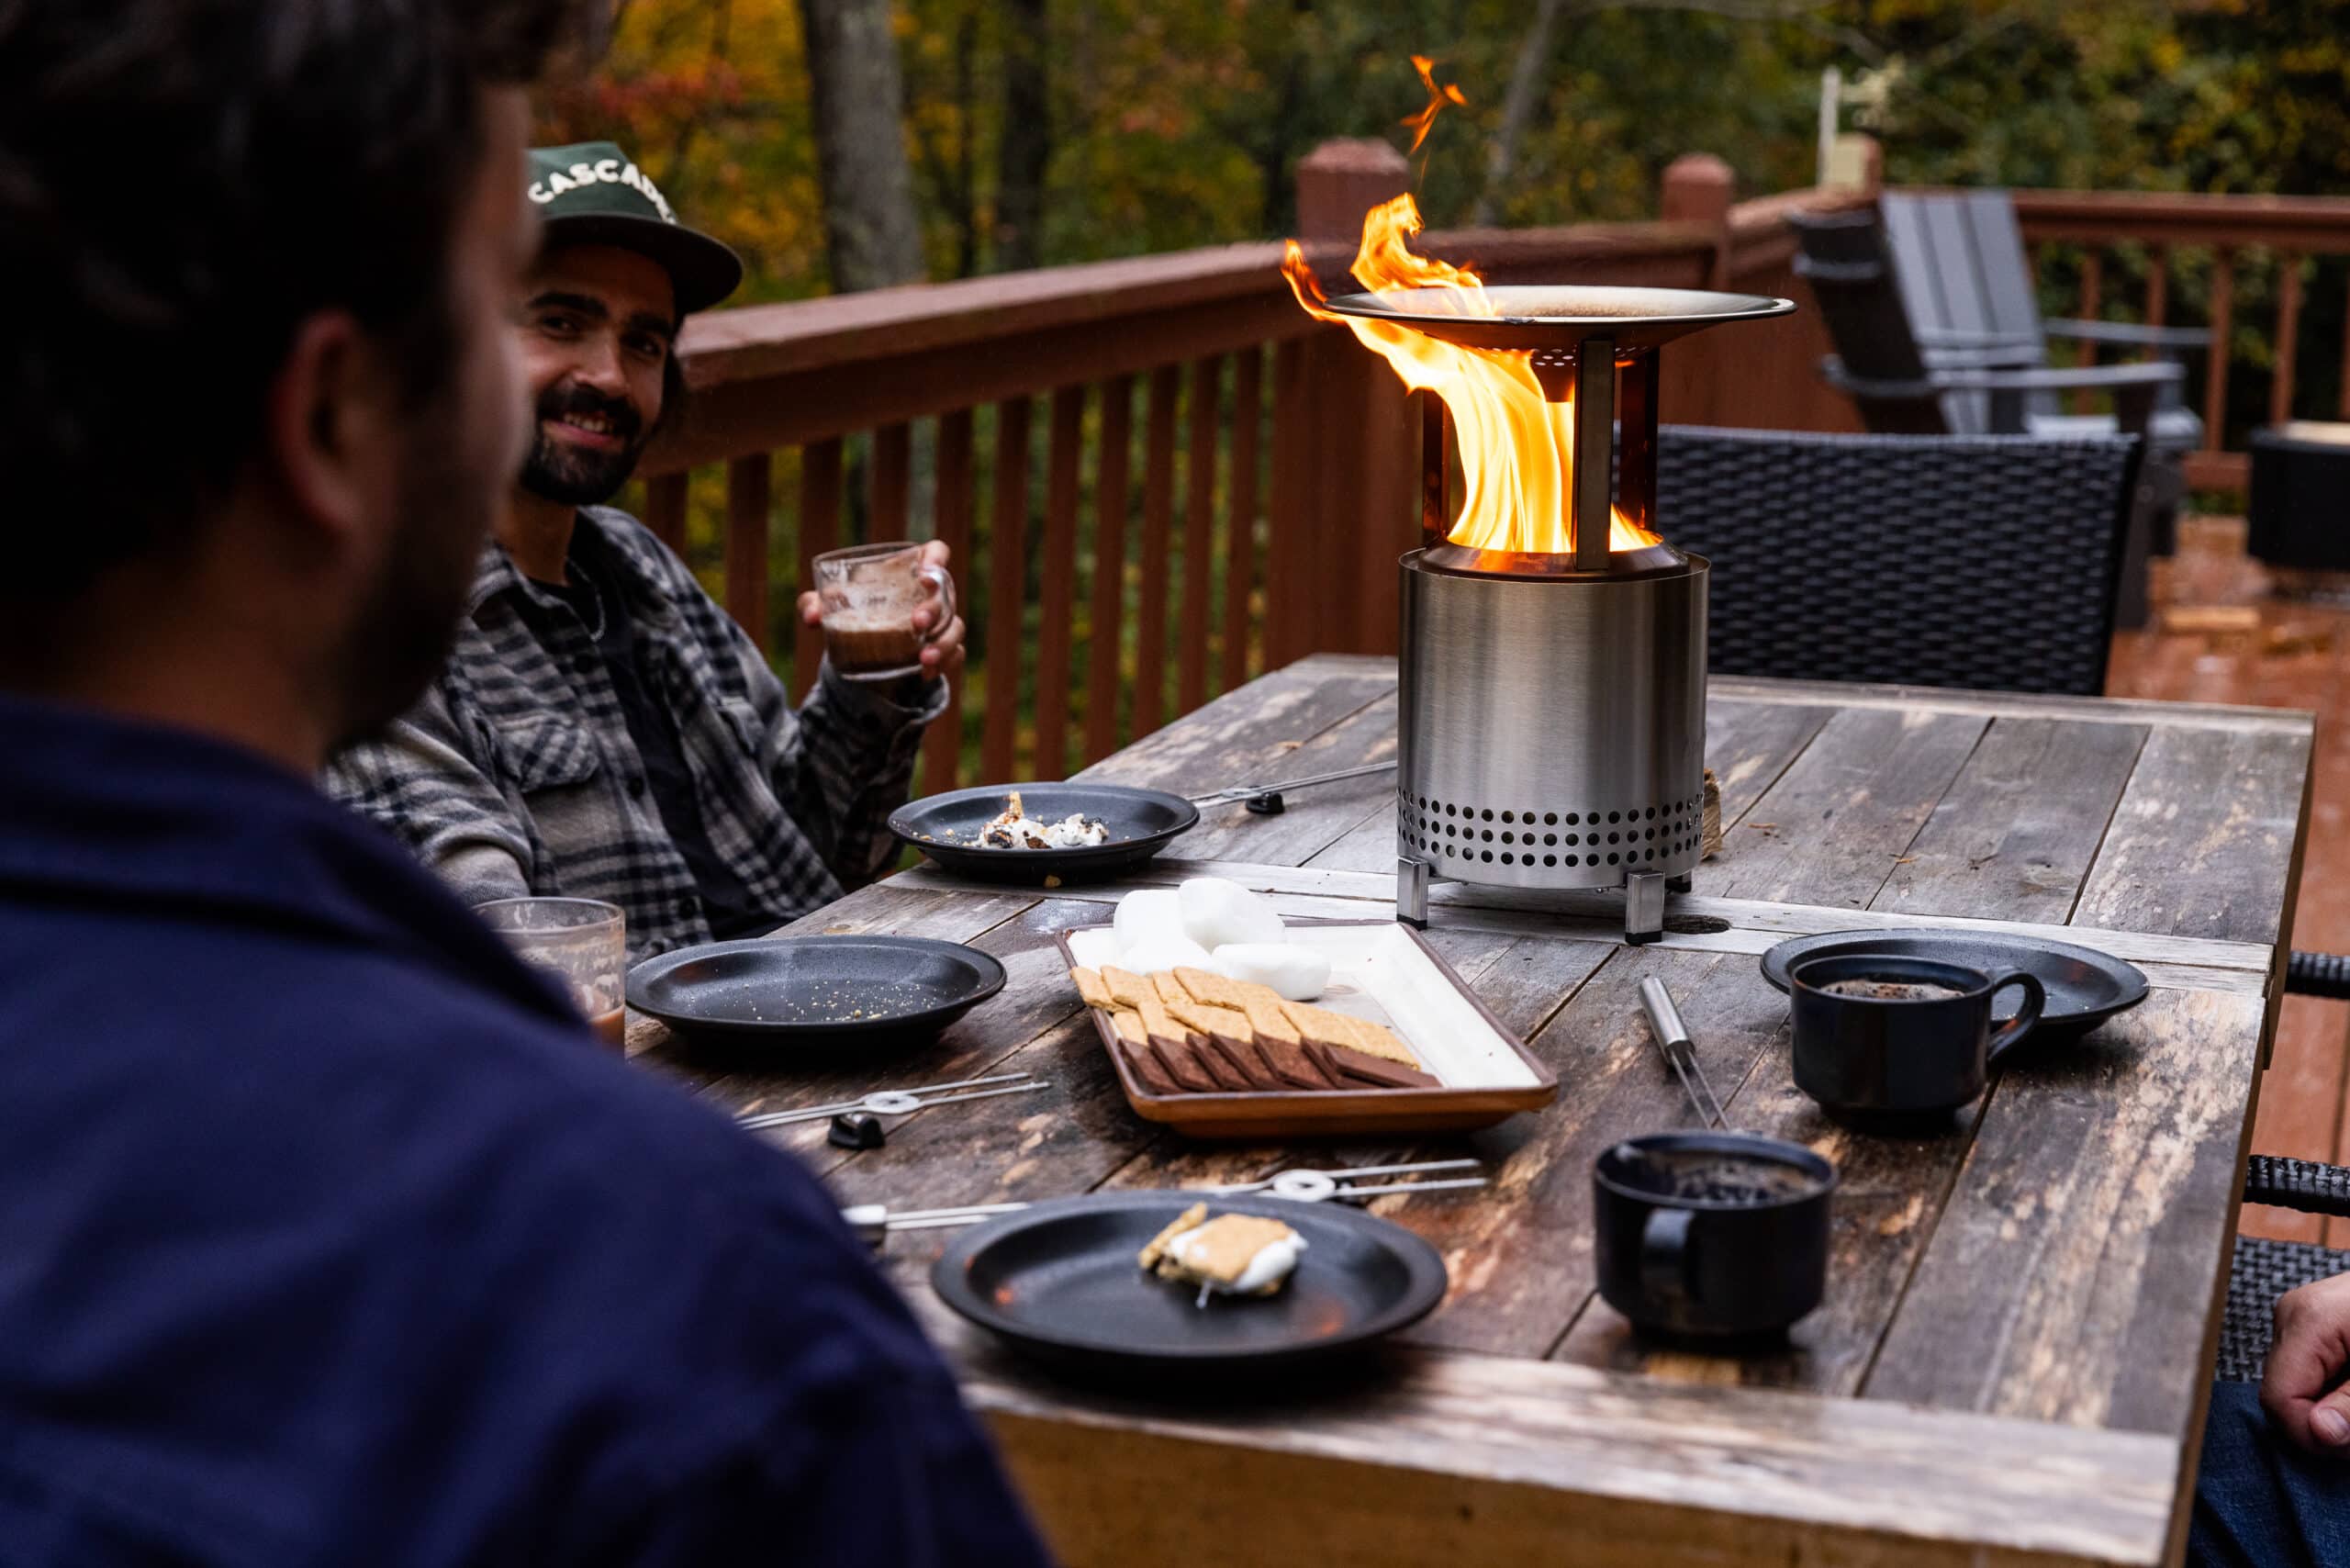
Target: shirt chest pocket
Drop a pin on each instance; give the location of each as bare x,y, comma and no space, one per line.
547,752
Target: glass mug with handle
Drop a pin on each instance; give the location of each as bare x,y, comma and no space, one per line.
869,594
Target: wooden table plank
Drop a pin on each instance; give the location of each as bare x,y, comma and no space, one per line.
2015,835
1694,922
1750,746
1830,829
1240,733
2076,1261
1477,1459
2202,842
1843,696
1310,820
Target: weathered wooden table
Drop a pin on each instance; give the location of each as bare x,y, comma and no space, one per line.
2011,1363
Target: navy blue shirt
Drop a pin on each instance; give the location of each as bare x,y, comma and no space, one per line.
329,1236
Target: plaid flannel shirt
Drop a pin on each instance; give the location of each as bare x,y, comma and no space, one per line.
516,773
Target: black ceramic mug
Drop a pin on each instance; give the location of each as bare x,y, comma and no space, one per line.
1887,1034
1711,1234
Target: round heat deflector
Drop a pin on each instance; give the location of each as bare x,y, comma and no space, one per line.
1576,338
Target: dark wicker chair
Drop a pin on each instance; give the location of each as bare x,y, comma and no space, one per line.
2265,1269
1971,561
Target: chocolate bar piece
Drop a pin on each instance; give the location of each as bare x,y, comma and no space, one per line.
1238,1048
1183,1065
1360,1069
1149,1069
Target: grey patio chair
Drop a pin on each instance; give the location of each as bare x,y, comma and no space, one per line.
1967,283
1901,389
1988,562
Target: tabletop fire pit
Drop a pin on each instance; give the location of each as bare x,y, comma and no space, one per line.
1552,721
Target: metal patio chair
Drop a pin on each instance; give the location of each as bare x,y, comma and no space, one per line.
1988,562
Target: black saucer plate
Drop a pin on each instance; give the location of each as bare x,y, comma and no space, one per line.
946,827
875,989
1059,1280
2085,987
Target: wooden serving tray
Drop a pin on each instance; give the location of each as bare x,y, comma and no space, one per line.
1385,971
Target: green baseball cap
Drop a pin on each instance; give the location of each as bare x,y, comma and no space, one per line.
591,193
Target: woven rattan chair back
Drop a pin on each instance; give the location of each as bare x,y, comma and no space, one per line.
1987,561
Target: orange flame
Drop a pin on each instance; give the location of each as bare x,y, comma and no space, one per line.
1424,121
1518,449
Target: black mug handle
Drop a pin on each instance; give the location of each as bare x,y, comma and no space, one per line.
2035,1002
1664,1254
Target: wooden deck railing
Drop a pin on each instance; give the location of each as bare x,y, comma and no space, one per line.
1109,591
2214,245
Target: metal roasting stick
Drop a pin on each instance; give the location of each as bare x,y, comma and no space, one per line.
899,1102
1672,1039
1259,791
1314,1179
875,1221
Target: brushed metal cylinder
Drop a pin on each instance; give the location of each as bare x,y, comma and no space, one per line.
1552,732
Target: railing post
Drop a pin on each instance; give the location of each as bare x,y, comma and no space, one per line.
1698,188
1360,509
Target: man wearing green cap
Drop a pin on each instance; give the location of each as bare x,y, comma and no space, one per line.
602,729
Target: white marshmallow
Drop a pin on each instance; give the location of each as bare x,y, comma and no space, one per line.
1160,954
1153,914
1217,913
1295,973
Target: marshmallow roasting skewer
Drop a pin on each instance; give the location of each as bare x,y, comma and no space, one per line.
1304,1185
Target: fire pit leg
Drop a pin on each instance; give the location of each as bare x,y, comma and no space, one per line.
1412,891
1681,884
1643,907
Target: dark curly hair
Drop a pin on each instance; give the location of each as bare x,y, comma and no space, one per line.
181,182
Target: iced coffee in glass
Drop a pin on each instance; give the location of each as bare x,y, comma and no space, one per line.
869,595
581,941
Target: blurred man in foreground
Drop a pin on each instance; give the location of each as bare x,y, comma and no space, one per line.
327,1234
603,729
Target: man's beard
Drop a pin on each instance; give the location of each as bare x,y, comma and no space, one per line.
571,477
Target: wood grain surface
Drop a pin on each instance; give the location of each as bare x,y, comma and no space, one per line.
2010,1362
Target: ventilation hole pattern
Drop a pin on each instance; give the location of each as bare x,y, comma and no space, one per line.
1626,837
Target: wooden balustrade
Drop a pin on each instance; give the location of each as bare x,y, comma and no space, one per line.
1277,465
2271,241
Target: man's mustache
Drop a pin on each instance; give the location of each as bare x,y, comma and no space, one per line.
559,401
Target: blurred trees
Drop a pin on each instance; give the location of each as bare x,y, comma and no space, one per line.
1056,131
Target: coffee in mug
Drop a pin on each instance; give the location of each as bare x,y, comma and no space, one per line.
1897,1035
1711,1234
870,593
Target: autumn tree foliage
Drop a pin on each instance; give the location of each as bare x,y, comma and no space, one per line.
1039,131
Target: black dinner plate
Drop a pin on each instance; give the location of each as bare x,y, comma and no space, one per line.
875,990
1059,1280
2085,987
1141,823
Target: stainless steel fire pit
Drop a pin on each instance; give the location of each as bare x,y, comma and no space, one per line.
1553,705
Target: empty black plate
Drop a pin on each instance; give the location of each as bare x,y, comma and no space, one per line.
2085,987
1059,1280
876,989
1141,823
